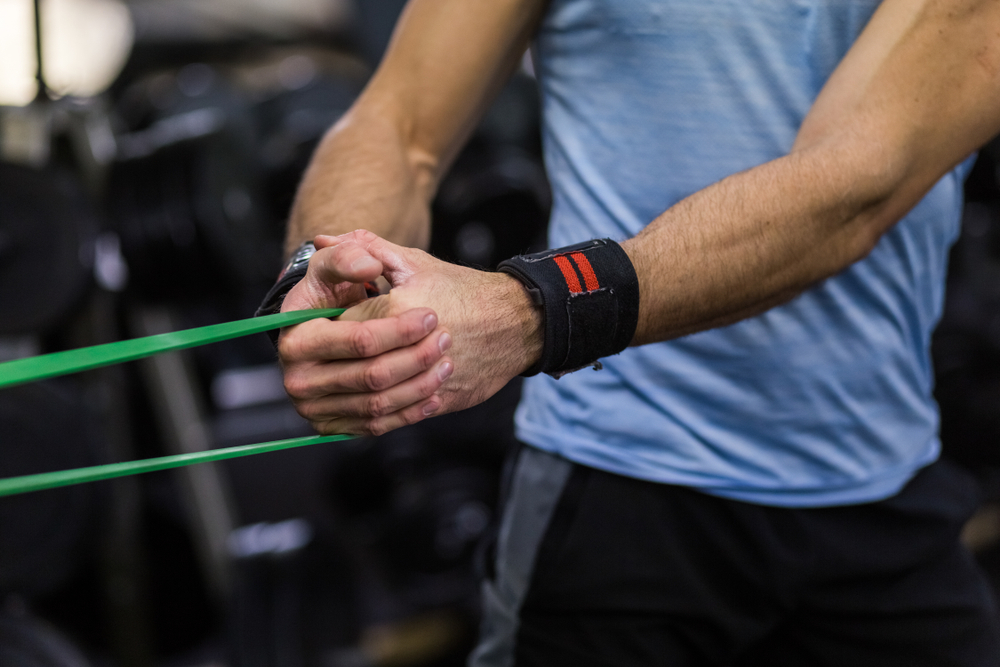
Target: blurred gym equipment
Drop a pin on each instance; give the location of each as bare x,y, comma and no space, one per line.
160,204
157,200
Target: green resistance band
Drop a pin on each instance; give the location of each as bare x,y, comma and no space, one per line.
22,371
45,366
50,480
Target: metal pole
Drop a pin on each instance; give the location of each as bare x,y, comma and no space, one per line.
43,91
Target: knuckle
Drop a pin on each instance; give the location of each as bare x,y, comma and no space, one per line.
364,235
426,385
412,324
377,405
429,354
411,417
376,377
363,342
285,354
290,347
309,410
324,427
377,427
342,252
430,384
295,385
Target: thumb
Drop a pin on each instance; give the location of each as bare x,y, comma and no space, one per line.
334,278
313,292
398,262
342,258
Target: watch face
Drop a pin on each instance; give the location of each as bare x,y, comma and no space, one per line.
300,258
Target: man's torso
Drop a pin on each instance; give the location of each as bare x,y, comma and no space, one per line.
825,400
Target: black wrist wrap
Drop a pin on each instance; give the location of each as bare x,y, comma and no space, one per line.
589,295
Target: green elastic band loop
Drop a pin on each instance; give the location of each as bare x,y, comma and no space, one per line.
45,366
21,371
50,480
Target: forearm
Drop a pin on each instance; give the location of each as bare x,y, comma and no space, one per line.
755,240
364,175
378,168
917,93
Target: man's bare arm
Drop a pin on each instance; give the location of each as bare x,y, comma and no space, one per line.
916,94
378,168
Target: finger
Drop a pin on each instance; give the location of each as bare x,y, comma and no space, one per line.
397,262
381,403
366,375
326,240
346,261
380,425
310,292
334,277
323,340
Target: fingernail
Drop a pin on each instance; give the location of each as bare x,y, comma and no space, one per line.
445,370
364,264
444,341
430,321
430,409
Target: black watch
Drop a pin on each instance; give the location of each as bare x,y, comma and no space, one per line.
294,271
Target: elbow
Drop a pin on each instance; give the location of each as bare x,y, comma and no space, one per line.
863,231
864,240
877,191
890,194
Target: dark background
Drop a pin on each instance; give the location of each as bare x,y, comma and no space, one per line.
341,555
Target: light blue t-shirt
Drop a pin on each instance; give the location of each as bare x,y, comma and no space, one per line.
825,400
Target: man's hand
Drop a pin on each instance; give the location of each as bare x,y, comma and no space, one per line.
379,167
382,365
331,369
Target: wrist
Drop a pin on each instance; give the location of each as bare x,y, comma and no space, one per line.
528,322
589,299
